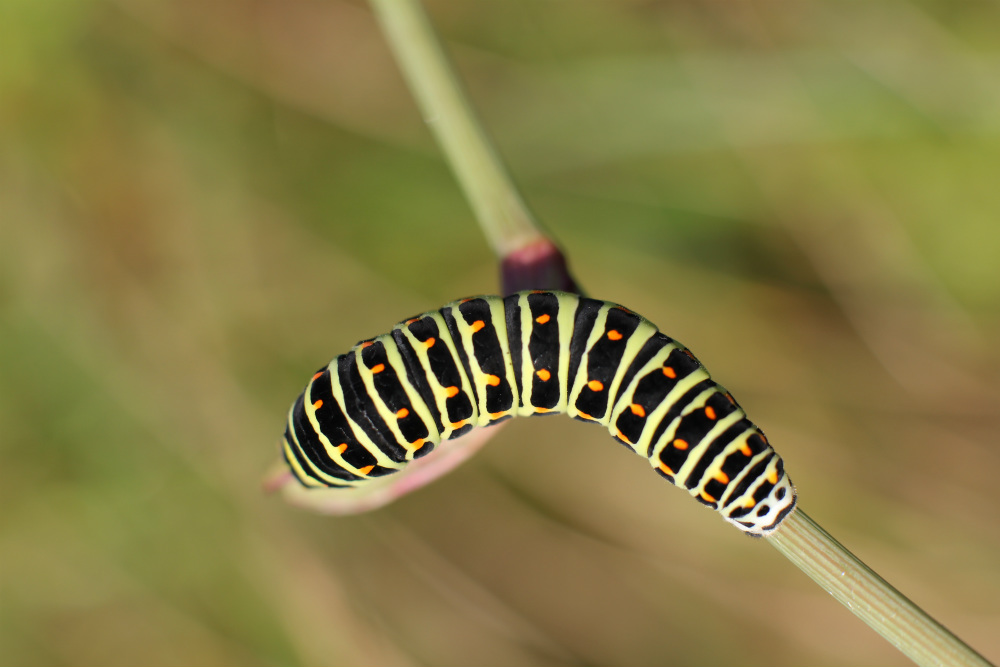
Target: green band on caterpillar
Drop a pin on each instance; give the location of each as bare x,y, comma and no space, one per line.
479,361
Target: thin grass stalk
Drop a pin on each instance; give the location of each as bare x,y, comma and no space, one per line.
508,225
856,586
500,210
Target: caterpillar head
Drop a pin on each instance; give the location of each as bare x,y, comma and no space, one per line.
764,516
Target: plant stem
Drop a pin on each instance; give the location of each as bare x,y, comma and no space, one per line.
905,625
499,208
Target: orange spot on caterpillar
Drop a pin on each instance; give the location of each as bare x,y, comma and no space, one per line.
614,335
542,319
492,380
595,385
730,397
637,410
317,376
543,374
378,368
721,477
669,372
621,436
707,497
366,470
477,326
750,503
680,444
402,413
451,392
665,468
429,343
367,343
497,415
586,416
418,444
772,477
543,409
690,354
342,447
318,404
745,449
457,425
709,412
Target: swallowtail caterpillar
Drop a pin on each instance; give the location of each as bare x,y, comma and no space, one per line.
475,362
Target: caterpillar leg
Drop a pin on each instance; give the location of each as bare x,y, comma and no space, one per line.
382,491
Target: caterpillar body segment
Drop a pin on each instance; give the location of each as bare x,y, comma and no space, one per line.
479,361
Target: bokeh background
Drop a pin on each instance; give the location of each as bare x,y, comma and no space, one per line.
201,202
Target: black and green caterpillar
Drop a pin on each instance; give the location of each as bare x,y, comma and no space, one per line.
479,361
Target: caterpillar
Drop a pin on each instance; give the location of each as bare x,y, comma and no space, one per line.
479,361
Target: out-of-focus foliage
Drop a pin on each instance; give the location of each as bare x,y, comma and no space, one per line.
200,203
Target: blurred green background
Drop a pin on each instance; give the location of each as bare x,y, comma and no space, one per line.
201,202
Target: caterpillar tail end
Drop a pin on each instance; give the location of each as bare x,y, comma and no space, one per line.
376,493
276,478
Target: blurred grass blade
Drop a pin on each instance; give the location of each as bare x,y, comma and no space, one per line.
905,625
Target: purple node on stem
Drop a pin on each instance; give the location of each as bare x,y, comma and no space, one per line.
539,265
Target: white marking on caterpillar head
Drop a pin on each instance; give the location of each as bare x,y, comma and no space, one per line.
767,515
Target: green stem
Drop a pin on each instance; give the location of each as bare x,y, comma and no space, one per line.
905,625
499,208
